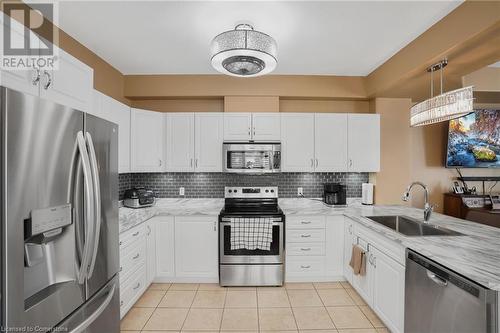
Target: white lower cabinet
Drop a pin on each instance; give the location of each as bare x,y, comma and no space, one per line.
383,285
151,249
196,250
314,248
165,247
348,242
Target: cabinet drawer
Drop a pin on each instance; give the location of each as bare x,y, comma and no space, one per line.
304,265
131,289
131,236
305,236
131,258
305,249
305,222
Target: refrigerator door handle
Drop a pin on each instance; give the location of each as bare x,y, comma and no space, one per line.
97,202
89,205
90,319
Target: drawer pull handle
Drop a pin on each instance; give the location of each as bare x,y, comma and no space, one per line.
305,249
137,286
135,233
305,236
136,256
306,222
307,266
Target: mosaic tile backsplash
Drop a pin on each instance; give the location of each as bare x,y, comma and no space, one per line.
211,185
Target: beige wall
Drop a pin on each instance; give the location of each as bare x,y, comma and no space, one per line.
181,105
394,173
485,79
251,104
323,105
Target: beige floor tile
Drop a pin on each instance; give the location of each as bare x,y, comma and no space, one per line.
299,285
346,284
318,331
241,299
312,318
203,320
166,319
358,300
271,288
372,317
273,319
348,317
209,299
184,286
240,320
130,331
160,286
210,286
277,298
358,330
241,288
150,299
335,297
382,330
239,331
161,332
280,331
135,319
300,298
177,299
328,285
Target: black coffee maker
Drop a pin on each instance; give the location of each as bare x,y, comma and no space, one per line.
334,194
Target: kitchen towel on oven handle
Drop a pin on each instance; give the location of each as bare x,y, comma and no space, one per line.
251,233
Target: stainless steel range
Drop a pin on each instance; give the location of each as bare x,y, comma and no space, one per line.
252,238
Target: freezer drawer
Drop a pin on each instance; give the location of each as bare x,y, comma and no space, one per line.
439,300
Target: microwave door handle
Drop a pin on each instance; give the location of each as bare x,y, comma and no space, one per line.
97,201
89,205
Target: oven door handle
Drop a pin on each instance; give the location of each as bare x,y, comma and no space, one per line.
279,224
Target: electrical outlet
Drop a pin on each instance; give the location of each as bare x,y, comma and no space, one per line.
300,191
181,190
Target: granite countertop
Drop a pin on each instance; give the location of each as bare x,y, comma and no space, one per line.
475,255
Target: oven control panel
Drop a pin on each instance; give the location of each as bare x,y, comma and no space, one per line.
251,192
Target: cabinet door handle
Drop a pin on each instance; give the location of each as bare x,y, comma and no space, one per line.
305,236
196,163
121,303
135,233
136,256
305,249
312,162
249,132
149,230
350,163
49,80
159,162
121,269
137,286
215,226
350,229
120,243
305,266
191,163
36,77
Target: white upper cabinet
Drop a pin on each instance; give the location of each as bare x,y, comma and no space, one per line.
208,142
180,141
237,126
146,141
297,142
266,126
330,142
263,126
71,84
110,109
196,247
21,80
364,142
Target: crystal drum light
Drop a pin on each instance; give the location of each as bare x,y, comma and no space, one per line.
244,52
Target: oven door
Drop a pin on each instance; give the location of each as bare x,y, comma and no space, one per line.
273,256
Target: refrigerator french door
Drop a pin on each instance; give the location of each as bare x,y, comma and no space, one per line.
59,217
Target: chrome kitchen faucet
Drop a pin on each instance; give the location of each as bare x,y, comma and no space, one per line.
427,206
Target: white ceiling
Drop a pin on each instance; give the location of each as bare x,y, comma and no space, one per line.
325,37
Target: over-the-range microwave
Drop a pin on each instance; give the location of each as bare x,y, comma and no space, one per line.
252,157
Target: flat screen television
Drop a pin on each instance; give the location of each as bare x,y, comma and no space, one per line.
474,140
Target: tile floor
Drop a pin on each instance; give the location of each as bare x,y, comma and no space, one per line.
296,307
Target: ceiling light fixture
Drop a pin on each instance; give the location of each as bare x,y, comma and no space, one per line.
244,52
446,106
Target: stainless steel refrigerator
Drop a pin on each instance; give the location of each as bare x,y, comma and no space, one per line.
59,214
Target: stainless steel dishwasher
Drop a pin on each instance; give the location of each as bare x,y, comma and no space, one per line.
438,300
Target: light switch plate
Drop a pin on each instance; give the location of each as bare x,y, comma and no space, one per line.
181,190
300,191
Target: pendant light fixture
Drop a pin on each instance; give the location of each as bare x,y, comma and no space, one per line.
446,106
244,52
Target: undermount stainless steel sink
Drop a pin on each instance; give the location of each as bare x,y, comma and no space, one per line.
411,227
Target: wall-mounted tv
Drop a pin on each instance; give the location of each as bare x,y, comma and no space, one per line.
474,140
